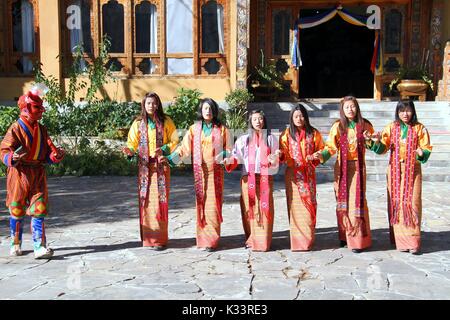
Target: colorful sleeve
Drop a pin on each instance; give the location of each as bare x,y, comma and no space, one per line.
319,145
133,136
50,157
382,146
284,146
332,145
227,142
368,127
183,150
9,144
424,144
171,137
235,157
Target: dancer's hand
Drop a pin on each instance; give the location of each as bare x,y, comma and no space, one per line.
17,157
162,159
367,135
59,154
218,159
315,156
419,152
376,137
158,152
126,151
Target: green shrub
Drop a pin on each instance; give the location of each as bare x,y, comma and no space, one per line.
93,161
184,110
236,115
7,116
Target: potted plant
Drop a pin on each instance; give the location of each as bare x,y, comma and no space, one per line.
412,81
266,80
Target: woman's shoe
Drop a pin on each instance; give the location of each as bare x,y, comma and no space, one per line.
43,253
159,248
209,249
342,243
15,250
357,250
414,251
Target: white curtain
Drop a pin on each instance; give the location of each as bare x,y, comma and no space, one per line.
220,28
153,29
76,35
27,34
179,35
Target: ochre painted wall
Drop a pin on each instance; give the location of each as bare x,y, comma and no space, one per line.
12,88
121,90
135,89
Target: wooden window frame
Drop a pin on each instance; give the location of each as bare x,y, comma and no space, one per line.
7,54
222,58
130,59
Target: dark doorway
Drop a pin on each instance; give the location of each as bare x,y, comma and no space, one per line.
336,58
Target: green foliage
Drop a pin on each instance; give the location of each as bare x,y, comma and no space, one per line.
184,109
64,115
266,74
7,116
416,73
236,115
91,161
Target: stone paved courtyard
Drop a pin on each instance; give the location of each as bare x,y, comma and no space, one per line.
93,228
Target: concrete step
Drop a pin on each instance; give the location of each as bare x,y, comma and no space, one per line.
364,106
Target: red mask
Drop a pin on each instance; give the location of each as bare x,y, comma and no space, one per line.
31,107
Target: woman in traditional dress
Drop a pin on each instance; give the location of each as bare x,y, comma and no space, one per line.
206,142
152,135
258,152
299,145
349,138
409,143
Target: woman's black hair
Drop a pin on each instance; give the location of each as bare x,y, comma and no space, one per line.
292,129
160,116
266,132
402,105
215,110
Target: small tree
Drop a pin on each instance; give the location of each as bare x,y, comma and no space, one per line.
236,115
64,115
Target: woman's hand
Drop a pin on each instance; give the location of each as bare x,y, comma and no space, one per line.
126,151
315,156
419,152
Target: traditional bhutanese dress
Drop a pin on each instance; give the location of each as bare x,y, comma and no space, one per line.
300,180
144,138
26,180
350,183
404,180
257,207
203,142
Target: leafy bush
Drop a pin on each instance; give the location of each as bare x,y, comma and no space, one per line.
7,116
184,109
65,116
91,161
236,115
266,74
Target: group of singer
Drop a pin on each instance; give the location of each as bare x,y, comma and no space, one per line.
207,144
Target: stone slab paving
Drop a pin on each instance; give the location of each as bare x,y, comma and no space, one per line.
93,227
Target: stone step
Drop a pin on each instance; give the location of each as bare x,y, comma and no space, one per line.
364,106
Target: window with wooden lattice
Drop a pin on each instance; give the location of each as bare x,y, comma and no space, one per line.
154,38
19,37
